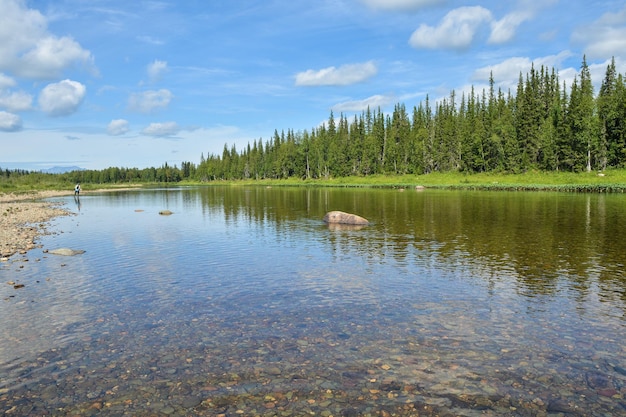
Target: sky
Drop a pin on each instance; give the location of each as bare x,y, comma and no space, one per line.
136,84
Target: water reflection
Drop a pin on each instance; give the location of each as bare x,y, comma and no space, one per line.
541,237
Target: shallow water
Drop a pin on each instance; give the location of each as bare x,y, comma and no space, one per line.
243,302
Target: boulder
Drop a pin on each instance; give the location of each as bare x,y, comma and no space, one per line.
340,217
66,251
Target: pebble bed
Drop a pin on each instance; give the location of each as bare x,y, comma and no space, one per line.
346,362
23,218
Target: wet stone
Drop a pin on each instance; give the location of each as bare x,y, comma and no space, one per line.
191,402
560,406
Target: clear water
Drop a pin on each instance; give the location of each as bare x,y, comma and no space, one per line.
243,302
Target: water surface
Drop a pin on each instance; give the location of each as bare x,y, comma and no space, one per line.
243,302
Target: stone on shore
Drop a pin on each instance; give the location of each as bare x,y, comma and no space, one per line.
340,217
66,251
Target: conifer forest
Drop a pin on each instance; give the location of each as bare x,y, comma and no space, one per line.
543,125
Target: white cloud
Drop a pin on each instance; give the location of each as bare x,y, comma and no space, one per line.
15,101
6,82
372,102
606,37
156,70
27,49
162,129
503,30
118,127
51,56
148,101
344,75
401,5
456,30
62,98
10,122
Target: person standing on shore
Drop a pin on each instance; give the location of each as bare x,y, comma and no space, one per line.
77,189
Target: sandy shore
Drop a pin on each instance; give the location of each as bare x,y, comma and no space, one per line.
23,218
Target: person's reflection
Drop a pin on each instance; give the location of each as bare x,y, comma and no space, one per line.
77,201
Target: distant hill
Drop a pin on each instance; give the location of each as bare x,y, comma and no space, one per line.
61,170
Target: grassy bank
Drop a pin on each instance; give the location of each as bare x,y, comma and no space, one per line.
608,181
26,185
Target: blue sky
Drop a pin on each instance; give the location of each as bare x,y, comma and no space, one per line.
95,84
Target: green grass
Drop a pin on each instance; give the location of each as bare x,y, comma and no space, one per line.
32,182
608,181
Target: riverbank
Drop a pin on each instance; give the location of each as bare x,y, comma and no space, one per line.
23,218
609,181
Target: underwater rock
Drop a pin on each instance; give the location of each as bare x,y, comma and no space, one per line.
66,251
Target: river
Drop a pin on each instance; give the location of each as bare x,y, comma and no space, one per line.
244,302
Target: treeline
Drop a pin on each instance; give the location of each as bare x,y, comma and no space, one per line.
544,126
113,175
8,173
164,174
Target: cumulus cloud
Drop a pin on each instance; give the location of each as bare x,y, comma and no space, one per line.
13,101
456,30
62,98
10,122
372,102
344,75
149,101
162,129
27,49
156,70
6,82
118,127
606,37
401,5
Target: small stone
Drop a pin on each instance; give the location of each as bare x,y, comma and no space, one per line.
96,406
607,392
559,406
274,371
191,402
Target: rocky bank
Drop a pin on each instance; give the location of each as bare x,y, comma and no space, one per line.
24,217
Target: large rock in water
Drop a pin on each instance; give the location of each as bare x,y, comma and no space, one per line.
66,251
340,217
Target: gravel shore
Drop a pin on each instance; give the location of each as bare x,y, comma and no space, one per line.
23,218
